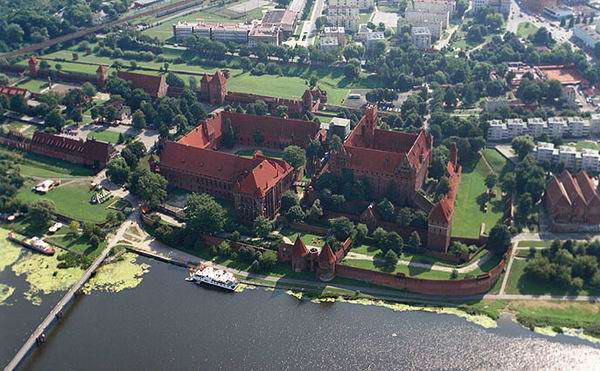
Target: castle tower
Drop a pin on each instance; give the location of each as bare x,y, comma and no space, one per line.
299,255
34,66
218,88
327,260
369,124
101,75
307,100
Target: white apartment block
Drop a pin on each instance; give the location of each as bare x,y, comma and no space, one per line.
372,39
343,17
424,15
434,27
439,6
555,127
328,43
588,34
270,35
587,159
338,32
595,124
421,37
219,32
358,4
502,6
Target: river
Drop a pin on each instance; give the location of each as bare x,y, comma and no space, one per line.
167,323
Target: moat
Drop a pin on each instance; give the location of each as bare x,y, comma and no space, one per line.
168,323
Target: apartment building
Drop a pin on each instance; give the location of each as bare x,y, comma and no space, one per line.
557,126
372,39
271,35
497,131
516,127
595,124
421,37
578,127
439,6
435,27
363,5
554,127
586,159
343,17
237,33
328,43
338,32
424,15
536,127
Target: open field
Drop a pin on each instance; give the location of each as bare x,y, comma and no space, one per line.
75,243
525,29
33,85
587,144
33,165
535,243
71,200
409,271
19,127
105,136
307,238
469,214
519,283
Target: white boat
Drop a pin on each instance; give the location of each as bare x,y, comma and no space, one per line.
212,276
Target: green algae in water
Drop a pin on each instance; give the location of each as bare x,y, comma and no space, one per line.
9,252
480,320
5,293
118,275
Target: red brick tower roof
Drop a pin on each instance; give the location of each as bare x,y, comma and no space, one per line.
326,257
299,249
102,69
151,84
219,78
264,175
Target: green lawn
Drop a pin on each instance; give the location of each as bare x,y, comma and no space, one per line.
469,214
525,29
33,85
519,283
105,136
79,244
33,165
250,153
307,238
409,271
71,200
364,17
588,144
20,127
535,243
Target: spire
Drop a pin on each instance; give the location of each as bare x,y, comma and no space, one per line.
299,249
326,257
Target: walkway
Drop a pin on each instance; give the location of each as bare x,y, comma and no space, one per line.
57,312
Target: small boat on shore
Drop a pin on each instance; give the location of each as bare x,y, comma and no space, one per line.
35,243
212,276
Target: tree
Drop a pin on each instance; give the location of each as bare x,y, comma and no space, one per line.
55,119
450,98
117,170
139,120
261,107
262,226
499,239
295,214
288,200
204,214
18,103
390,259
585,267
522,145
491,180
386,210
88,89
40,213
341,228
294,156
316,211
362,232
74,227
174,80
268,259
149,186
443,186
414,241
394,242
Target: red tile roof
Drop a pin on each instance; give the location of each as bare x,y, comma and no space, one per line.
11,90
299,249
264,174
326,257
151,84
102,69
89,150
586,185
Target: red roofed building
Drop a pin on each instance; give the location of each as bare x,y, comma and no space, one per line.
12,91
394,163
440,217
213,89
102,74
572,200
327,260
154,86
300,255
90,153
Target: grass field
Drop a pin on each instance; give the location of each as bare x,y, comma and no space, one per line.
33,165
20,127
307,238
78,244
525,29
33,85
71,200
535,243
469,214
519,283
588,144
105,136
409,271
